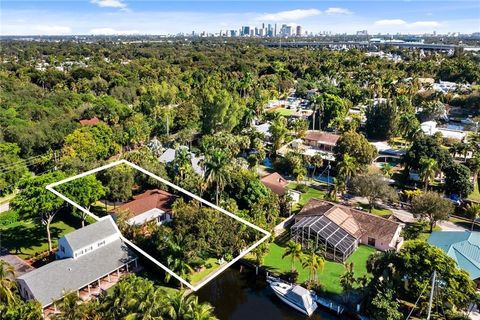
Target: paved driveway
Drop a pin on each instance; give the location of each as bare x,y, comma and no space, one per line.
18,264
4,207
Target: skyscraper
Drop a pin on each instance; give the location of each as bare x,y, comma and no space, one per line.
299,31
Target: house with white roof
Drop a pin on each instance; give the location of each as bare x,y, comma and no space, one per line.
430,128
85,258
169,155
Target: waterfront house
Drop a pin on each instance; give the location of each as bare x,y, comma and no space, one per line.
85,258
151,205
340,229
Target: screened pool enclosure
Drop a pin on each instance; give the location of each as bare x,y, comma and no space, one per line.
324,234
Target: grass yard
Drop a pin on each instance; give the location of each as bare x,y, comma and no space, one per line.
475,195
196,277
376,211
284,112
330,277
418,230
312,192
27,238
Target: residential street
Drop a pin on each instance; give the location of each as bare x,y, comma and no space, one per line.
4,207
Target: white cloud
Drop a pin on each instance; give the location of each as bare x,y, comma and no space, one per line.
296,14
391,22
424,24
52,29
110,3
405,24
332,11
112,31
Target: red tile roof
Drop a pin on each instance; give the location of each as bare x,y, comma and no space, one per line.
322,137
92,121
276,183
148,200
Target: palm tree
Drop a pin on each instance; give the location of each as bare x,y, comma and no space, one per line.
347,280
7,283
473,211
177,259
294,250
317,161
180,266
70,308
347,167
313,263
428,170
179,306
387,169
216,171
182,161
201,311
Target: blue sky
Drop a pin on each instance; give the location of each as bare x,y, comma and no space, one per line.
19,17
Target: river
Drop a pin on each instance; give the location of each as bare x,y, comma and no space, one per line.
242,296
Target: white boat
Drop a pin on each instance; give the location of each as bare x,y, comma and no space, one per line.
467,121
295,296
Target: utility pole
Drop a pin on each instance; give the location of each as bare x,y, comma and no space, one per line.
431,294
55,159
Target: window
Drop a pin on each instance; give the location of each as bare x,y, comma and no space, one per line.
371,242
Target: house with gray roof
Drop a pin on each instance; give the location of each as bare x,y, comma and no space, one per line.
84,257
463,247
169,156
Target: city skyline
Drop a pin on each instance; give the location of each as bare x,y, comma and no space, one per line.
162,17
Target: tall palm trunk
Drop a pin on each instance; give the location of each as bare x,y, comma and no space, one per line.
49,237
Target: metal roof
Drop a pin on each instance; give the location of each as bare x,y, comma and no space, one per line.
92,233
50,282
462,246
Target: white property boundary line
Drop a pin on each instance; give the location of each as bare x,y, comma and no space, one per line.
208,278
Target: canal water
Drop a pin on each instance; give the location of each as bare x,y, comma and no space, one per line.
243,296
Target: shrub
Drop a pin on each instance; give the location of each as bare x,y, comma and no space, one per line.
8,217
302,188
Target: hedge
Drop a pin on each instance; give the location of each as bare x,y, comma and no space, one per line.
8,217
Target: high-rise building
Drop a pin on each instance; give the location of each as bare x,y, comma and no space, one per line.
299,31
245,31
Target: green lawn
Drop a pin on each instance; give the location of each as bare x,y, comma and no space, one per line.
475,195
377,211
417,230
199,276
284,111
330,277
312,192
27,238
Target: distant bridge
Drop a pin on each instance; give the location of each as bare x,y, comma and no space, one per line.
362,44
